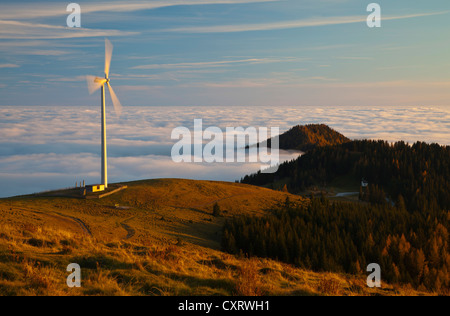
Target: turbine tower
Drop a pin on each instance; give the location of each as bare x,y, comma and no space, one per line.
95,83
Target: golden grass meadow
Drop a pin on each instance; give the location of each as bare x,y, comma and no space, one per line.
157,238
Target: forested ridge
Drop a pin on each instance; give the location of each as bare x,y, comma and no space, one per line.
419,174
307,137
401,221
344,237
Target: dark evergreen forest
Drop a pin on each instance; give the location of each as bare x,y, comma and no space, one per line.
418,174
401,221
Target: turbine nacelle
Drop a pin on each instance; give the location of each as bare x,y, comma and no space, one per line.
100,81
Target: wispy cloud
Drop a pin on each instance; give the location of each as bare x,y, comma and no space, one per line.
311,22
45,10
17,22
68,79
243,83
47,52
26,30
409,84
220,63
9,66
354,58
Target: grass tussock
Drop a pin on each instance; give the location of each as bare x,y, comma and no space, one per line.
249,280
329,286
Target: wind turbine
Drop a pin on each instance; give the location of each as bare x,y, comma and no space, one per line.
95,83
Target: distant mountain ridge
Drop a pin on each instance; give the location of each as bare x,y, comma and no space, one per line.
307,137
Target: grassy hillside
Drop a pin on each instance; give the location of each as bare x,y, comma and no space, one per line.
157,237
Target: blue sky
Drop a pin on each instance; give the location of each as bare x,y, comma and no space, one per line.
229,52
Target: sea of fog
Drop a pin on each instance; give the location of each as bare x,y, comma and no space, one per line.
45,148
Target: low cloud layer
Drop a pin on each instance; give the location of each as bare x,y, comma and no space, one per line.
44,148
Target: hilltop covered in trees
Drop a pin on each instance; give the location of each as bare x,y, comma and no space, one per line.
401,221
418,174
307,137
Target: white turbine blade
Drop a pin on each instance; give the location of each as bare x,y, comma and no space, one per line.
108,56
94,83
115,100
